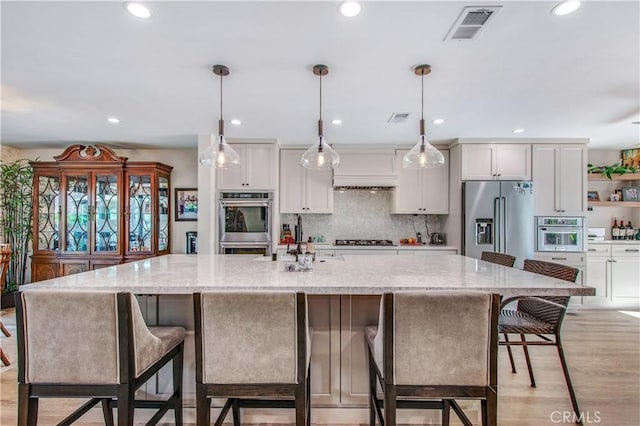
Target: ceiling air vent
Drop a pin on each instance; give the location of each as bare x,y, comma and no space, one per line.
398,117
470,22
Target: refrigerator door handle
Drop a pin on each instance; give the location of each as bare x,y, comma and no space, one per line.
496,227
503,222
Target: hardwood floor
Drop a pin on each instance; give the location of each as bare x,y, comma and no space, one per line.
602,349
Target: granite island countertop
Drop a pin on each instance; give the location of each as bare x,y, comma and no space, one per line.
348,274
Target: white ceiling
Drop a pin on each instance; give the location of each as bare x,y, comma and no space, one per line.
67,66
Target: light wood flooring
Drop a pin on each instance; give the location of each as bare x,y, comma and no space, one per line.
603,353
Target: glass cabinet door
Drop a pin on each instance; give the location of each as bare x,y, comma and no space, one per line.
140,213
163,213
106,214
77,206
48,213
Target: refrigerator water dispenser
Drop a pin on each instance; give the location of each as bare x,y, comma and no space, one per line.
484,232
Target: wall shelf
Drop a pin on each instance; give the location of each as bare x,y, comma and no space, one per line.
601,177
614,203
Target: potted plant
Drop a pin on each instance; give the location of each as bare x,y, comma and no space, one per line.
16,219
617,168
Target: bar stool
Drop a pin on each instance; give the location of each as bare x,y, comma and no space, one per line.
431,348
5,259
498,258
253,349
542,317
100,348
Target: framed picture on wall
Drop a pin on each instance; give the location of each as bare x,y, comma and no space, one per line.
186,204
631,193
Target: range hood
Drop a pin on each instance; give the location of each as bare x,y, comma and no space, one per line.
365,170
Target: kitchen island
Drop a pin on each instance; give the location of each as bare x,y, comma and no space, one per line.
344,294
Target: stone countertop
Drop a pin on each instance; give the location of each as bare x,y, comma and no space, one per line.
329,246
614,242
348,274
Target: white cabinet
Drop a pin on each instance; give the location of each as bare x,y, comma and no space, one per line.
559,180
421,191
496,162
302,190
614,271
257,168
575,260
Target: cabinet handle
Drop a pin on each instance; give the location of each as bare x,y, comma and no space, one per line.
563,211
632,250
614,261
558,258
591,249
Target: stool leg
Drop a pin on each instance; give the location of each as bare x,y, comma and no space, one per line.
513,364
300,403
4,330
372,392
177,383
526,357
446,412
107,412
3,358
125,405
565,371
490,409
27,407
235,407
389,405
203,406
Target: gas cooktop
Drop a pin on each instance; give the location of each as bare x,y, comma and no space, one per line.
364,243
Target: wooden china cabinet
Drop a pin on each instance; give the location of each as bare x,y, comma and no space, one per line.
93,209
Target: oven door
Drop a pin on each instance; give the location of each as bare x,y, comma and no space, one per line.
559,238
245,221
245,248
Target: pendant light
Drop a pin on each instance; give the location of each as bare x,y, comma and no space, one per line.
320,156
424,154
223,156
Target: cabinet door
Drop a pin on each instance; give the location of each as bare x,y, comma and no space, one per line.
571,171
77,204
259,166
544,167
140,229
318,191
406,197
477,162
47,219
106,214
513,161
235,177
435,188
598,277
625,282
163,214
292,184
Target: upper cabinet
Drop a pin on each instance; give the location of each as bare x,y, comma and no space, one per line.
559,179
93,209
302,190
257,168
421,191
496,162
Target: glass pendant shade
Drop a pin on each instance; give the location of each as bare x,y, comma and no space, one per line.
422,155
320,156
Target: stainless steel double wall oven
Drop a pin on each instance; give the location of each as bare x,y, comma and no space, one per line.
245,222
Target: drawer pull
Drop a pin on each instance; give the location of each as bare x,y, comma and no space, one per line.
592,250
558,258
632,250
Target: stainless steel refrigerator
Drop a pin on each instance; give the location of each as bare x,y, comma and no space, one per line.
498,216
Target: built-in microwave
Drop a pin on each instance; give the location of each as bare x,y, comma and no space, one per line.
560,234
245,221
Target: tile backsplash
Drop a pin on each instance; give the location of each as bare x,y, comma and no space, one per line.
364,215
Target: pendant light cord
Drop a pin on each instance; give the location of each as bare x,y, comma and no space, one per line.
221,96
320,96
422,89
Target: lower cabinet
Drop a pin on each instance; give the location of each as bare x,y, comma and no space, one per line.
576,260
614,271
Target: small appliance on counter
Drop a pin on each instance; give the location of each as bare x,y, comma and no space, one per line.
595,234
437,239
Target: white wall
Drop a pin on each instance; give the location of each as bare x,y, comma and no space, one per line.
184,175
602,217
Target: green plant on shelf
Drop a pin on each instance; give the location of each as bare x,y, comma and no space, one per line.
609,171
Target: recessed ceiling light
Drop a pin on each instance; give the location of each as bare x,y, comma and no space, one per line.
113,120
438,121
236,122
138,10
566,7
518,131
349,8
337,122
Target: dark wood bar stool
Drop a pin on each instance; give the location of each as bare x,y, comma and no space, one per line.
253,349
431,348
498,258
542,317
5,259
98,348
